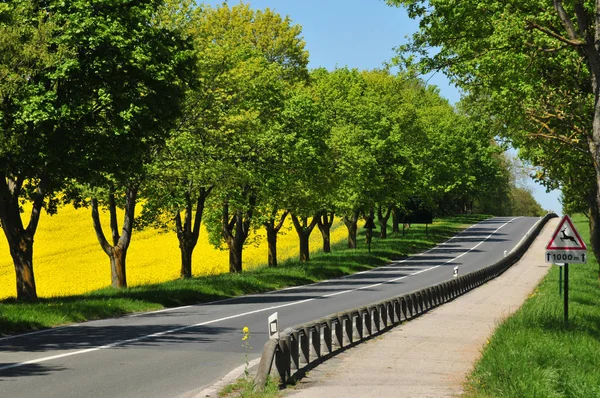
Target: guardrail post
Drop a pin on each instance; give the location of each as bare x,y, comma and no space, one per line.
358,326
294,351
445,292
415,300
404,307
368,321
315,341
348,329
389,312
283,358
398,310
303,337
326,333
429,298
376,318
383,314
339,332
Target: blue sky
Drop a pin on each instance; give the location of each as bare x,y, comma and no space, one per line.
362,34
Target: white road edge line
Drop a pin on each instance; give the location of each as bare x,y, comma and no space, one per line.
158,334
526,235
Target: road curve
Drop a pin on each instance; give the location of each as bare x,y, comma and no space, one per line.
171,352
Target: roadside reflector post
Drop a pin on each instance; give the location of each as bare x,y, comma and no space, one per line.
273,326
456,271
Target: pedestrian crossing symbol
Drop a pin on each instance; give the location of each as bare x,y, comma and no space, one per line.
566,245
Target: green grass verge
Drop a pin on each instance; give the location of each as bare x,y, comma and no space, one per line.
18,317
244,388
533,353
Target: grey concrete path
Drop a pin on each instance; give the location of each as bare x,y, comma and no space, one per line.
430,356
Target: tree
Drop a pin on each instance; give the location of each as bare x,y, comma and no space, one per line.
184,172
248,60
307,172
149,92
534,67
66,108
396,134
343,93
524,204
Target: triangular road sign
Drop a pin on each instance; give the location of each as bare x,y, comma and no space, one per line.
566,237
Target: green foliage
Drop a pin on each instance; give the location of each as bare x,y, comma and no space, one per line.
87,93
530,70
247,61
524,204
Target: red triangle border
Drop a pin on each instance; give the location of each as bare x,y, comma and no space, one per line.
580,241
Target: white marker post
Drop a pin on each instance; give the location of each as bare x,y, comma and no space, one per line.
273,326
456,271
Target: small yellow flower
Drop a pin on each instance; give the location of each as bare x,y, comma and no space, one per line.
245,330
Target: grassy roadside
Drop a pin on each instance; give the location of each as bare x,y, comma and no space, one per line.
533,354
18,317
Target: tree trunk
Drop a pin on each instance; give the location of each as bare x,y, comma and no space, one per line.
236,230
304,229
304,247
272,231
186,259
272,242
117,267
324,222
594,144
594,224
20,239
395,220
595,234
352,226
236,246
188,232
235,242
22,255
117,252
383,218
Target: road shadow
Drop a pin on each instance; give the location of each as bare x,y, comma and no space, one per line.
86,336
32,369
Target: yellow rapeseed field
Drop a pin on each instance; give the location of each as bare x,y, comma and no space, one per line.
68,259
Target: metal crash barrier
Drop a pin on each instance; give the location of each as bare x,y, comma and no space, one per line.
301,346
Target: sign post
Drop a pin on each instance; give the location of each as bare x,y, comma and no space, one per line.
559,281
566,246
566,297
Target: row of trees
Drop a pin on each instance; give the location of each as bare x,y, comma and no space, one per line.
211,115
532,71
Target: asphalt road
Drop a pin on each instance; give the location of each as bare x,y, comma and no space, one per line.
172,352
